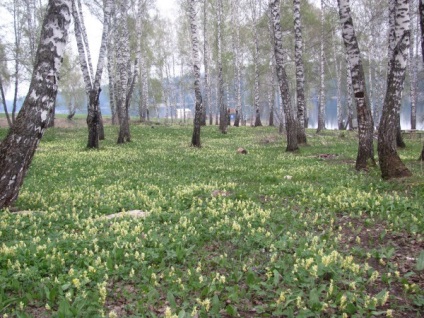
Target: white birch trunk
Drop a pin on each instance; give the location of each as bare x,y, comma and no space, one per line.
222,107
300,74
365,124
122,60
390,163
337,66
258,121
18,148
412,70
321,107
349,94
195,140
91,80
291,125
421,14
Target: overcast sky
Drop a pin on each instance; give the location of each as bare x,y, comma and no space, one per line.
167,8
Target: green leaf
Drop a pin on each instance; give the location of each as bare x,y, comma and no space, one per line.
232,311
171,299
66,286
276,277
420,261
251,278
216,305
351,309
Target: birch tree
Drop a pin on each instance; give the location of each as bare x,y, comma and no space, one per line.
421,13
340,121
254,7
349,93
390,163
291,126
300,74
222,107
365,123
321,105
123,81
413,65
207,100
235,5
18,148
195,140
391,51
92,81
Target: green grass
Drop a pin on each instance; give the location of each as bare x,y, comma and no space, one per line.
267,234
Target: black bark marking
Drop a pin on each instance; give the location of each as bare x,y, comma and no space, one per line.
359,95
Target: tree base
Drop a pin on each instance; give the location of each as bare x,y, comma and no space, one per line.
393,168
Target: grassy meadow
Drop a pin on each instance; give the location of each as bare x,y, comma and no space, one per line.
267,234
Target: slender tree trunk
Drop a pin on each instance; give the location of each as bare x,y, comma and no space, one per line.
321,105
300,74
421,13
237,64
271,95
222,107
370,80
17,56
3,99
365,123
390,163
340,122
93,119
195,140
18,148
291,125
205,102
111,71
207,99
123,57
349,93
258,121
413,70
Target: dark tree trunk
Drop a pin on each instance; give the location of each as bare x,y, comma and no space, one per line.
271,117
124,130
258,118
101,127
237,119
93,119
52,116
3,98
18,148
399,139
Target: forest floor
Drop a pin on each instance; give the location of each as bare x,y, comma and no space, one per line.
156,228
